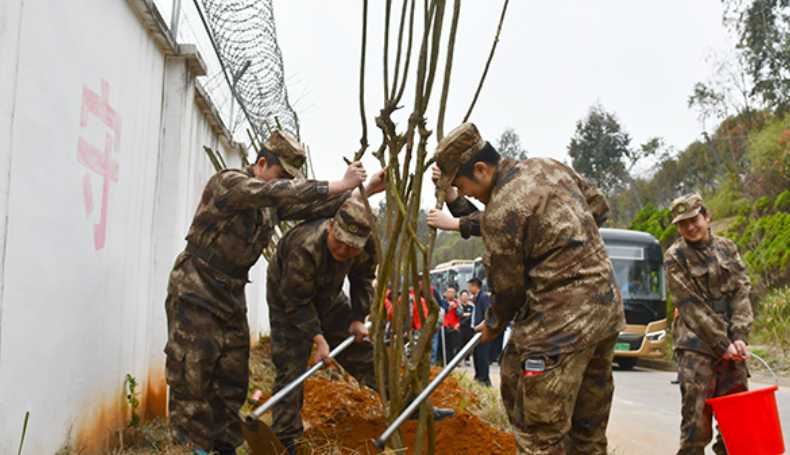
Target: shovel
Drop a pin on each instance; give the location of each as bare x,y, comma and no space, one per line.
259,436
380,442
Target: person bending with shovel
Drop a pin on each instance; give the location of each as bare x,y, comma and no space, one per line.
208,337
307,306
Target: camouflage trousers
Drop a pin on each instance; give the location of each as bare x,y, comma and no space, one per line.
290,354
207,371
703,377
564,410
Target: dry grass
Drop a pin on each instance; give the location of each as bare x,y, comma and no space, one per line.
489,407
152,438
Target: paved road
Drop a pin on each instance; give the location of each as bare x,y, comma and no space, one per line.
645,418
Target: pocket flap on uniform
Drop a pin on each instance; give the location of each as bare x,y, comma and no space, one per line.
698,270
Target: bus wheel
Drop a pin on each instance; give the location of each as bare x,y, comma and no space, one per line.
626,363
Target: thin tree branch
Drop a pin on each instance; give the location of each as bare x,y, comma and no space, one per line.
488,63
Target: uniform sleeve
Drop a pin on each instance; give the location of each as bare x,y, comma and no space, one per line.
297,286
243,192
315,209
693,310
469,216
361,276
741,317
505,254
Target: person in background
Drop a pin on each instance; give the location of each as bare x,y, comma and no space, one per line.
635,284
452,322
482,352
465,326
208,343
709,286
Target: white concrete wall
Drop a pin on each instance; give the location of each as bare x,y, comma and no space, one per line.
101,167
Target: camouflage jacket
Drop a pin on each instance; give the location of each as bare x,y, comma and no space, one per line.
304,280
546,259
235,219
703,277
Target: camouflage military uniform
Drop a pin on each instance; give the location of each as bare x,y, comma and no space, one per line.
548,272
304,291
709,286
208,336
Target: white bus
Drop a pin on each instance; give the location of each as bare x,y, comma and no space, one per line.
455,274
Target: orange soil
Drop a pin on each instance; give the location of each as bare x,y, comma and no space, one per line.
341,414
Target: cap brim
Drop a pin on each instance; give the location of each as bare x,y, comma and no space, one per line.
445,181
686,216
292,171
344,237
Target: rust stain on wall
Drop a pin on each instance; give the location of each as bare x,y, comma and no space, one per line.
101,427
98,432
156,394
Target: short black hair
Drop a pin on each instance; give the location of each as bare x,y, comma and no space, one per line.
703,211
271,158
462,292
487,154
476,282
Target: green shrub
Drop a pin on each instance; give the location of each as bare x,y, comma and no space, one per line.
772,321
728,199
669,236
738,224
782,202
745,210
766,241
761,204
655,222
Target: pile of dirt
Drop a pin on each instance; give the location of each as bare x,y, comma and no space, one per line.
342,415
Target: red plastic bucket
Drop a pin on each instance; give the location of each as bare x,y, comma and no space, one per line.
749,422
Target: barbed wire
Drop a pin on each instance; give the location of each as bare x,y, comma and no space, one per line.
245,38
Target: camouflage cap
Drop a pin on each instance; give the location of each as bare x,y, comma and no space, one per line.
351,224
458,147
685,207
290,152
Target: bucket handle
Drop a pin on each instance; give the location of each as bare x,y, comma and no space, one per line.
776,380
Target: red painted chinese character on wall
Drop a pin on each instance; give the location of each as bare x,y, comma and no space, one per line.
99,159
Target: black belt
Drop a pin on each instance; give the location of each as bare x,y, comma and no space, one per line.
217,261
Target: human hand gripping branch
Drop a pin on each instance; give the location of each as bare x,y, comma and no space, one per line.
355,175
437,218
376,184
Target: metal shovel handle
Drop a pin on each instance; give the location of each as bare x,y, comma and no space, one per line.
296,382
428,390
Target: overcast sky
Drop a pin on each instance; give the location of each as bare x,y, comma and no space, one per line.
555,59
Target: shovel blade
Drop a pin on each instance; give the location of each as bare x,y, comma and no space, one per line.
261,438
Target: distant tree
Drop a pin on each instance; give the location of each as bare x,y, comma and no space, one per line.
763,28
510,145
727,91
598,149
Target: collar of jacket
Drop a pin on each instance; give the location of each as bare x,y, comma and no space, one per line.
702,244
505,165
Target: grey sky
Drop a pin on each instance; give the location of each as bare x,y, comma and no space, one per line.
639,59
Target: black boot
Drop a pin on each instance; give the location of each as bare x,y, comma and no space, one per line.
442,413
224,449
289,444
438,414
